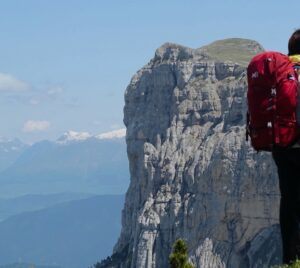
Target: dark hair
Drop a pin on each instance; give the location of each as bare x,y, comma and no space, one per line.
294,43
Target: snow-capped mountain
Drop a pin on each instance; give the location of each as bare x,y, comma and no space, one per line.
10,150
71,136
11,145
116,134
74,136
77,161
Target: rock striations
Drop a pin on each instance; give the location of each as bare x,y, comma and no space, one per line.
193,175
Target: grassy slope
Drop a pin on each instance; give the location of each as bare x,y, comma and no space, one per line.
233,49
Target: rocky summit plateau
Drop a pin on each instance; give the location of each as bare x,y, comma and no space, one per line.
193,174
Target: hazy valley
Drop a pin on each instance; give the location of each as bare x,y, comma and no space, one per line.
61,201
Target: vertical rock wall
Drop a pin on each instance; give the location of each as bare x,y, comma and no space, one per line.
193,175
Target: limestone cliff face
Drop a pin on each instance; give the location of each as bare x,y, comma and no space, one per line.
193,175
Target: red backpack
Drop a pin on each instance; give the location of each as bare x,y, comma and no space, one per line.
272,101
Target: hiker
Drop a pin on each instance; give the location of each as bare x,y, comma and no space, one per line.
288,165
273,124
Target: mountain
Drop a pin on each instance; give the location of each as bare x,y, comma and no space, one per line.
10,150
193,174
30,202
72,234
234,49
27,265
76,162
73,136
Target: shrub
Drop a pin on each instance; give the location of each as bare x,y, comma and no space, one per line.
295,264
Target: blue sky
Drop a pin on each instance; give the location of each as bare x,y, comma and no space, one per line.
65,64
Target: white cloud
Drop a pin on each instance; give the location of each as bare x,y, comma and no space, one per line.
33,126
10,83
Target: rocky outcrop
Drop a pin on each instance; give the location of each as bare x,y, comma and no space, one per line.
193,175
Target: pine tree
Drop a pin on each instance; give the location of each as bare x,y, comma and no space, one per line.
179,256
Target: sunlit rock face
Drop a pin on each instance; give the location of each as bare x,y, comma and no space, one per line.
193,174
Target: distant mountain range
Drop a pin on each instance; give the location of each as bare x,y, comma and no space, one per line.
27,265
10,150
13,206
61,201
73,234
76,162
